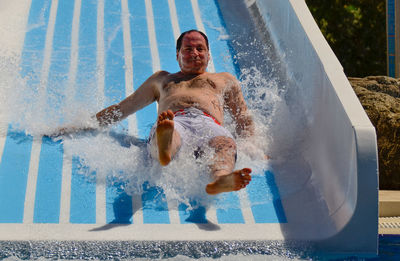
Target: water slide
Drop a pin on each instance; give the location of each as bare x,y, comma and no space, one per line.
96,194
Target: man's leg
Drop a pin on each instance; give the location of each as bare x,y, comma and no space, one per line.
225,179
168,139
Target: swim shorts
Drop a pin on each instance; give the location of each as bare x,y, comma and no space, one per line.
195,127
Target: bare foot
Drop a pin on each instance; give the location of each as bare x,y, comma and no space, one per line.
164,133
232,182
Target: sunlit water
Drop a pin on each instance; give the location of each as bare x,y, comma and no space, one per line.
115,152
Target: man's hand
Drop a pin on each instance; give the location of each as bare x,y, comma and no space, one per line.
109,115
104,118
70,130
88,125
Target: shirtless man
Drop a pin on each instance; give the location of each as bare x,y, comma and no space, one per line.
191,105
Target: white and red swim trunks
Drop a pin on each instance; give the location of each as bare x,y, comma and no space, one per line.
195,127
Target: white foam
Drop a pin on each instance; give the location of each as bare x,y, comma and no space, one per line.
13,19
184,179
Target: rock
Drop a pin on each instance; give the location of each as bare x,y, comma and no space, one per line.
380,97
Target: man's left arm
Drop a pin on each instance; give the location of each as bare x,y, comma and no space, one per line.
236,104
245,128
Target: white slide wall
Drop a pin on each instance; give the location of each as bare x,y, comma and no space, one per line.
341,149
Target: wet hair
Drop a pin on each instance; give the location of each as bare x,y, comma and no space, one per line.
179,41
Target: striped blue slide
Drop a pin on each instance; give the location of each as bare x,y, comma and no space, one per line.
106,49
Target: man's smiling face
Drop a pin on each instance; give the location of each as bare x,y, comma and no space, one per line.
193,56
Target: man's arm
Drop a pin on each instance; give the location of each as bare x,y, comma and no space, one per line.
143,96
245,128
236,104
146,94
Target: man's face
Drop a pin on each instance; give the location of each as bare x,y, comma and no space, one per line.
193,56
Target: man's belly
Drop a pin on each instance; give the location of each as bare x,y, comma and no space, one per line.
178,102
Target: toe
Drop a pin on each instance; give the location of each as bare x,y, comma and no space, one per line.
161,116
164,114
246,171
170,114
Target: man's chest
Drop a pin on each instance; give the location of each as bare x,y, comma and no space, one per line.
202,84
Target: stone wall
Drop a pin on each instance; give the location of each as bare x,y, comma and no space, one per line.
380,97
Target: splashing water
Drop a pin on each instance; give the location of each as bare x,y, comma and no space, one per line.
116,154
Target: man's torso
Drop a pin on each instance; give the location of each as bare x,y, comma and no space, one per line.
204,92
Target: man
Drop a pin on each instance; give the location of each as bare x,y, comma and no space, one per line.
191,107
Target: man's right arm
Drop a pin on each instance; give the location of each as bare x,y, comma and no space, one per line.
146,94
